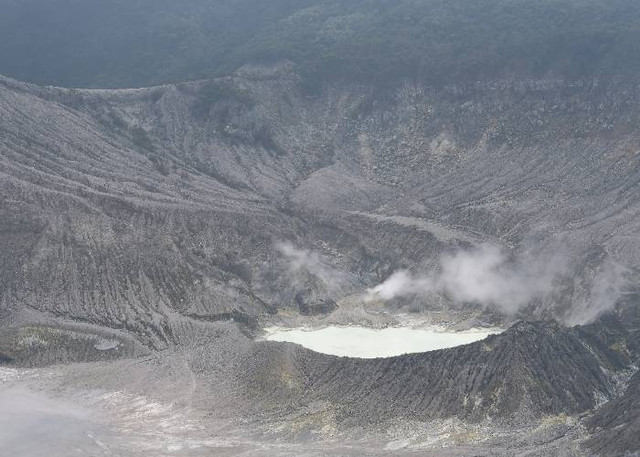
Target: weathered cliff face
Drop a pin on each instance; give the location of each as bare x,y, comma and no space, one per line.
135,220
532,370
615,427
128,208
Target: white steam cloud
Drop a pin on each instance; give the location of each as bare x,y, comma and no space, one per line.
303,261
608,285
484,275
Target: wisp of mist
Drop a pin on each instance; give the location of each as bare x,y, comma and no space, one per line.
488,276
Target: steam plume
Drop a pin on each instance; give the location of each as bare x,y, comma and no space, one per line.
303,261
607,287
482,275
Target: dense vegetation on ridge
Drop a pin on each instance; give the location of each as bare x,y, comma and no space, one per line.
118,43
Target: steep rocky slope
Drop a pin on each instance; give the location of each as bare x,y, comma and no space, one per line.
199,183
532,370
138,223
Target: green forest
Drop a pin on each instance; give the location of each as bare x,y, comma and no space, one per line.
132,43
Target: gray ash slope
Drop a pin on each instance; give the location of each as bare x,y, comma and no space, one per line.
140,223
532,370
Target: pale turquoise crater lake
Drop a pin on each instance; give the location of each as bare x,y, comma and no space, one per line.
363,342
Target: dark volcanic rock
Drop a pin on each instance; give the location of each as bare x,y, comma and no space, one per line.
530,371
616,427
